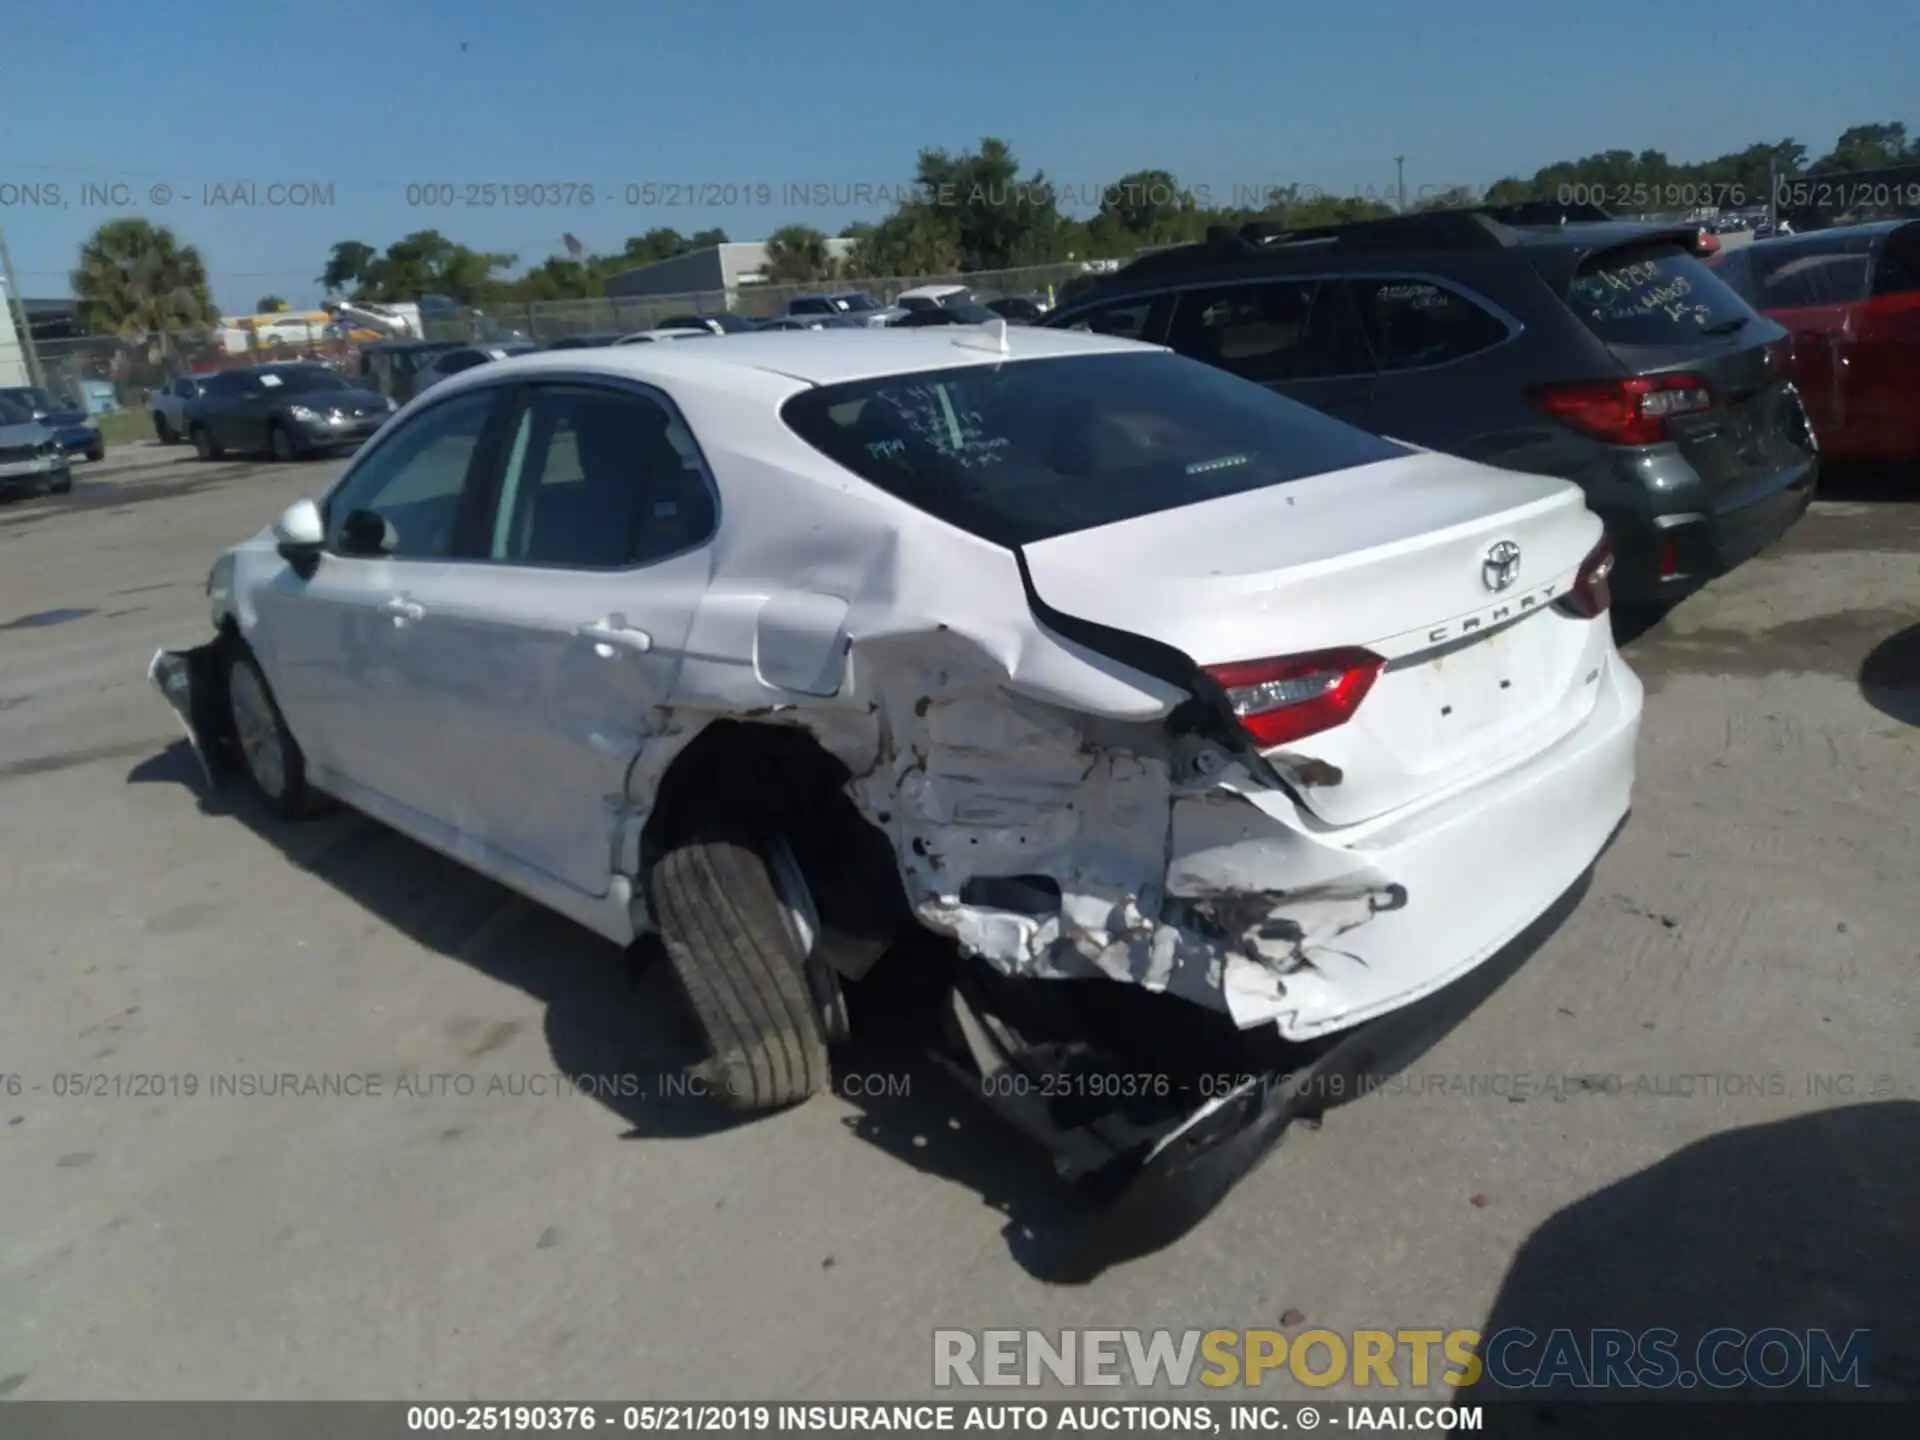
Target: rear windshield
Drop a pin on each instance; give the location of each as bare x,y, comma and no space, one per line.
1022,452
1657,296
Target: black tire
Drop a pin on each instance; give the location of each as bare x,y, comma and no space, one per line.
99,452
740,965
280,443
62,486
162,431
204,444
291,798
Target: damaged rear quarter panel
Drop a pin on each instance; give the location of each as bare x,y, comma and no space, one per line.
983,745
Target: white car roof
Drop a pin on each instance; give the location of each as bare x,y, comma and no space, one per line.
930,291
824,357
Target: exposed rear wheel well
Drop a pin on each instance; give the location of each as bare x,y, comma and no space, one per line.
778,779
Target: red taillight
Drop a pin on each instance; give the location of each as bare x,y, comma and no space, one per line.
1280,701
1592,593
1633,411
1669,558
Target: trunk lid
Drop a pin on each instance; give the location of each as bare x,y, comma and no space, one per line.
1395,557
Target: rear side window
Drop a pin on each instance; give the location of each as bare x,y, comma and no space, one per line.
1021,452
1273,332
1414,323
599,479
1136,319
1653,296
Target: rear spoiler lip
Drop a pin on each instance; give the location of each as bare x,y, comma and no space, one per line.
1559,264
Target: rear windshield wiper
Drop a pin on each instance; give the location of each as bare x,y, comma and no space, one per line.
1726,327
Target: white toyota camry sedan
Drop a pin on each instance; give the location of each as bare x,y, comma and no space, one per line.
1213,733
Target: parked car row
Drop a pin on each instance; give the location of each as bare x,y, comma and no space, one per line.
1626,357
73,429
245,414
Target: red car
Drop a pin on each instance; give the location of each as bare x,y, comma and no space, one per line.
1850,299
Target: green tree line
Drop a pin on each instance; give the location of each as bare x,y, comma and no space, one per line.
972,211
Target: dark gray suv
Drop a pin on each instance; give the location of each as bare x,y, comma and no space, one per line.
1603,352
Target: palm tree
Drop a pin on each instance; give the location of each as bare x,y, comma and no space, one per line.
136,279
798,253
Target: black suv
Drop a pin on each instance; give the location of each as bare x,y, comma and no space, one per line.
1600,351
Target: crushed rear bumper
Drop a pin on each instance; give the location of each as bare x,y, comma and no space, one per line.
193,682
1147,1197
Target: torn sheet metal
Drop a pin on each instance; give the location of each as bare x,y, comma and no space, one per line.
186,680
1159,875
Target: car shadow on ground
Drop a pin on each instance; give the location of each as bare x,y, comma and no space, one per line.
938,1122
615,1022
1890,676
611,1016
1871,482
614,1017
1805,1224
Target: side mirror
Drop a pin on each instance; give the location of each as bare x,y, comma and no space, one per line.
300,532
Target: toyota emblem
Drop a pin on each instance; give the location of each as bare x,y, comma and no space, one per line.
1501,567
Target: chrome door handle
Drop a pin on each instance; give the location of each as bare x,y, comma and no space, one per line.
402,609
613,630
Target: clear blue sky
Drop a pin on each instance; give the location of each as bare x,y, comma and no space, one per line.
373,97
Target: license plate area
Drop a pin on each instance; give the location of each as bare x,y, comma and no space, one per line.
1447,704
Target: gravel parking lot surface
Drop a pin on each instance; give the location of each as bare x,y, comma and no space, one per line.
1695,1105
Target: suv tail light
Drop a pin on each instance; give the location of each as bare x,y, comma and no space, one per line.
1592,592
1280,701
1633,411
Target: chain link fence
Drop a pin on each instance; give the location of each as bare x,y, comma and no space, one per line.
546,321
106,372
